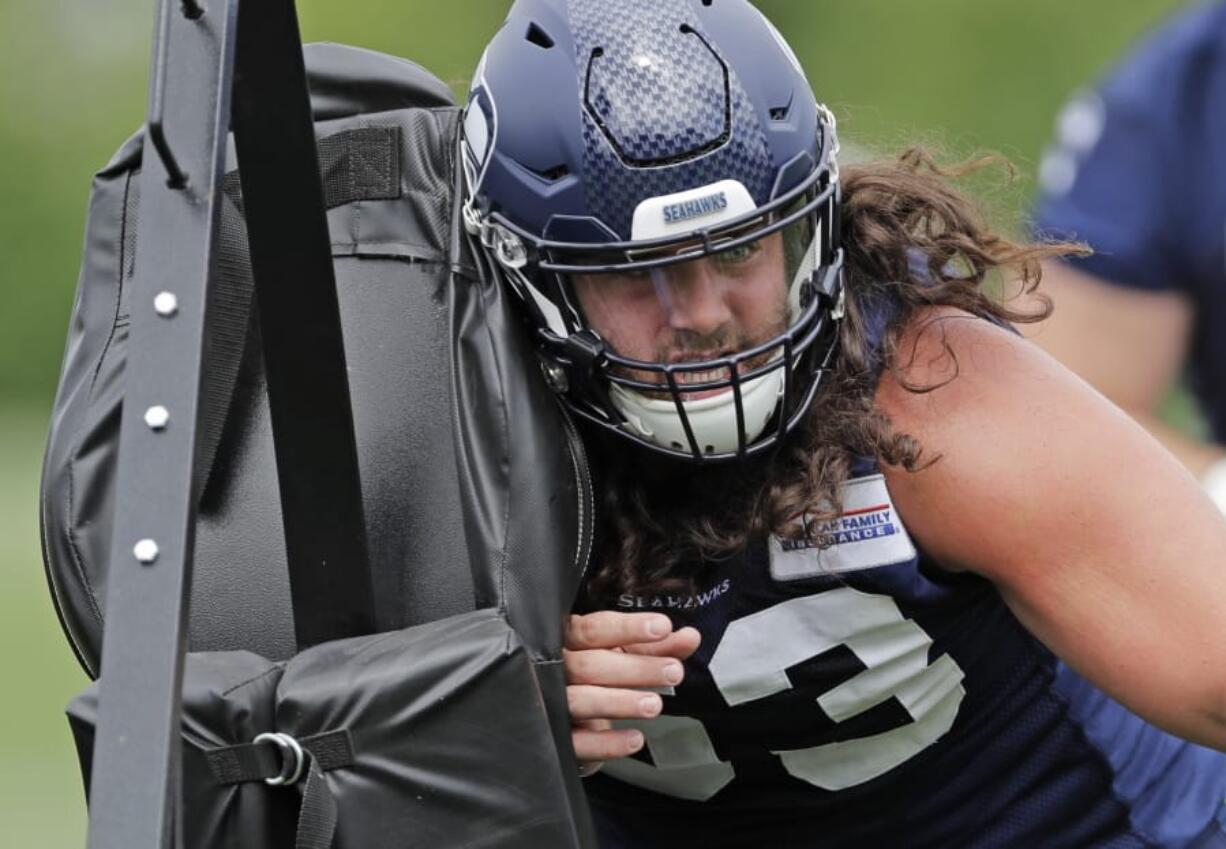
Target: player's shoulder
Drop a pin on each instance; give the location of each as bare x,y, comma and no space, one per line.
1001,426
1180,47
945,348
953,376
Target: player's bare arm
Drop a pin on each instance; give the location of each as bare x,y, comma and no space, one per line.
1100,542
1130,344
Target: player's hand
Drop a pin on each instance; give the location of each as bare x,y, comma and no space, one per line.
609,658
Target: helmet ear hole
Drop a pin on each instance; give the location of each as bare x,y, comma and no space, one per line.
538,36
678,446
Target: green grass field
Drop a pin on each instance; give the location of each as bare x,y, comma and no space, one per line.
40,785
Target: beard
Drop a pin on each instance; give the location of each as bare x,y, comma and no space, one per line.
688,346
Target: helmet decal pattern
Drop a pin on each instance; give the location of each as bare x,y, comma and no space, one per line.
672,115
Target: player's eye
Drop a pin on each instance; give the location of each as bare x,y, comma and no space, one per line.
738,255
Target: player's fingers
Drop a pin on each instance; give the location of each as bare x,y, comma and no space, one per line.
608,668
592,745
607,629
679,644
587,702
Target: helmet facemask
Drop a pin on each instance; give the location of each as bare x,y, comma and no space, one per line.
622,337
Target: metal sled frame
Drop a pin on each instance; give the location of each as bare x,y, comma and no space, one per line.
220,66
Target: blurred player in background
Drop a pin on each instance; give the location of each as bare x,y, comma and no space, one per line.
1138,171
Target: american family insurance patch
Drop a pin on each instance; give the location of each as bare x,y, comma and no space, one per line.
868,534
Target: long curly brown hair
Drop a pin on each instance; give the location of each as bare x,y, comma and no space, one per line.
912,240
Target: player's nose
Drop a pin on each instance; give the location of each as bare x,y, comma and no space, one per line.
697,297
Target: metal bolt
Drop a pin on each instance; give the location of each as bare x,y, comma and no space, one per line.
146,551
555,376
166,304
157,417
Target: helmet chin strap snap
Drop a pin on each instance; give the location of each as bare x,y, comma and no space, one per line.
508,248
584,356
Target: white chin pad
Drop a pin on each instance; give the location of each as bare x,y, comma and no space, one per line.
713,419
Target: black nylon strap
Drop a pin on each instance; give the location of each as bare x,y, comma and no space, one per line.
331,750
257,761
354,165
360,164
243,762
317,816
304,356
229,320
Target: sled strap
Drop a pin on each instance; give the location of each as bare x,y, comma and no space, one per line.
230,313
262,761
270,760
304,356
318,814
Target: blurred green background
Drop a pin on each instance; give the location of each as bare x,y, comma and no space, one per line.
964,75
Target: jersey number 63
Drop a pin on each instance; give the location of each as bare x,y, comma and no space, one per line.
751,662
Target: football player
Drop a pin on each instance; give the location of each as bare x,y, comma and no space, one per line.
1138,170
874,571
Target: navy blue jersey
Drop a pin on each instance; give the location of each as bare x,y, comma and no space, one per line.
860,696
1138,170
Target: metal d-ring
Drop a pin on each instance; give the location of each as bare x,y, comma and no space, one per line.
292,758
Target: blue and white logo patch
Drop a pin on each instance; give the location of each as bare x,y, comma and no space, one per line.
868,534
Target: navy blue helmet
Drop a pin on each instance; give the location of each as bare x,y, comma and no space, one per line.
656,182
